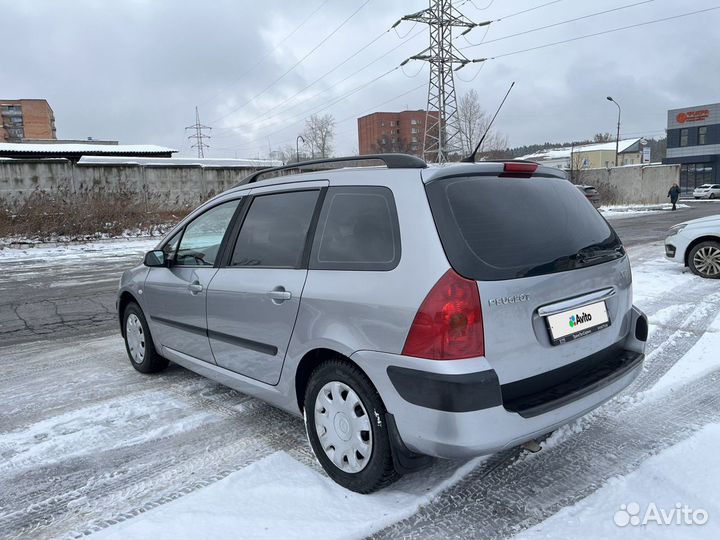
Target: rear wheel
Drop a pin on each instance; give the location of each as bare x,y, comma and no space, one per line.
704,259
712,195
139,343
346,427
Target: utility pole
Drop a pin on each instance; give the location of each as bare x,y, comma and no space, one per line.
199,136
617,138
442,126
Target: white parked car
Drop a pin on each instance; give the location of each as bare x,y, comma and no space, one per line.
707,191
696,244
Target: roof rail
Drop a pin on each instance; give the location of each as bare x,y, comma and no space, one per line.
392,161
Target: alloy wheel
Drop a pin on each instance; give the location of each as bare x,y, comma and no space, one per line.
707,261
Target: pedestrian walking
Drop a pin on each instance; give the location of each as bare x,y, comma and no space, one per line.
674,195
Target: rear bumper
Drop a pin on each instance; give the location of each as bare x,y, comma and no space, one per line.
459,409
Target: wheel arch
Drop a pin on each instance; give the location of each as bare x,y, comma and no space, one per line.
696,241
309,362
125,298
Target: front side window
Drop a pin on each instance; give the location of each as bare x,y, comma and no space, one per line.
202,238
357,230
275,230
170,247
684,137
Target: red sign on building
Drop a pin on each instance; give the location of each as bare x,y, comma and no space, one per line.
693,116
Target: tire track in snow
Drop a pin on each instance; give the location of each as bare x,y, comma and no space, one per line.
501,502
511,491
133,477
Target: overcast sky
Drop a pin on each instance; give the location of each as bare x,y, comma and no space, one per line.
133,71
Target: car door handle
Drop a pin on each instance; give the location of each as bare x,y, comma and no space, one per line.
279,294
195,287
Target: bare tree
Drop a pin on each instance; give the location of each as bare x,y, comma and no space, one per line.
474,122
319,134
285,153
578,166
603,137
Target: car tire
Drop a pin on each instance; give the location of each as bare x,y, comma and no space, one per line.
712,196
139,343
704,259
346,427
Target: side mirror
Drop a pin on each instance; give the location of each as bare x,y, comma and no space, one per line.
155,258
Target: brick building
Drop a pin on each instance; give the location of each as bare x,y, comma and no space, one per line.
383,132
26,120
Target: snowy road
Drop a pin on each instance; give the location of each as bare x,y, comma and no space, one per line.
59,292
65,290
88,445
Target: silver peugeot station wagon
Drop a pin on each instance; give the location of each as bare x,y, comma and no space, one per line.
405,312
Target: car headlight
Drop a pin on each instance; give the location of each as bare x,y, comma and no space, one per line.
677,228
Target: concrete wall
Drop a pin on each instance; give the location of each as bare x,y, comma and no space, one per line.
166,187
639,184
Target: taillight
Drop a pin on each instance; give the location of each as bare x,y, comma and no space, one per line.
519,169
449,324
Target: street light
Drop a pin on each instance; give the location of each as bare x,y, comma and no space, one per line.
617,139
297,147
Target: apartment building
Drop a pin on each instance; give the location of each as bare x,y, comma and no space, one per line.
26,120
383,132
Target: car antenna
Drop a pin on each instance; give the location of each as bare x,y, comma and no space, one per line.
471,157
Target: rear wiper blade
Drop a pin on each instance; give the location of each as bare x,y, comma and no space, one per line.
593,253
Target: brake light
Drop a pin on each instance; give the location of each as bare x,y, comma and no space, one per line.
449,323
519,169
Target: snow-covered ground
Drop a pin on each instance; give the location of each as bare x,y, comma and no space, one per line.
278,497
39,254
671,495
633,210
112,453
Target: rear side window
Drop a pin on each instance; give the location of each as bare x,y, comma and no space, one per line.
275,230
357,230
504,228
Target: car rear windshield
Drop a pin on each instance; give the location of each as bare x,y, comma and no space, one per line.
504,228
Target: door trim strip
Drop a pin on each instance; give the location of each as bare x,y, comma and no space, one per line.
181,326
256,346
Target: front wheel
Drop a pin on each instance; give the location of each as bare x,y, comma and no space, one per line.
346,427
704,259
139,343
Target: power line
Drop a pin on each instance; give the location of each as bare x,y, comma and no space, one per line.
299,117
353,116
334,85
556,24
290,98
343,120
199,136
271,51
527,10
296,64
610,31
275,107
586,36
442,124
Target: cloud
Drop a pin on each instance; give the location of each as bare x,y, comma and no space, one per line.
135,70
